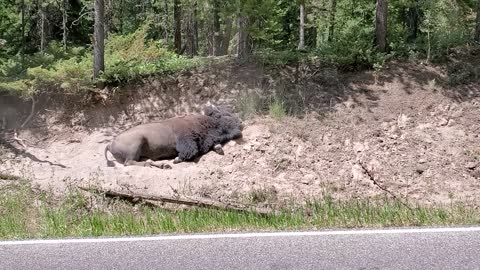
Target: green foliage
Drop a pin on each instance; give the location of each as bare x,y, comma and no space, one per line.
132,56
127,57
270,57
140,36
277,110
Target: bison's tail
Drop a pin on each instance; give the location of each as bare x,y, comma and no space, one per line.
107,149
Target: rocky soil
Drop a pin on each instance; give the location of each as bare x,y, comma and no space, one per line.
406,133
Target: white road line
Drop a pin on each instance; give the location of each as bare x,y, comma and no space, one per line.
241,235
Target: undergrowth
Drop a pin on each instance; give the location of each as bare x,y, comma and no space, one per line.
127,57
28,214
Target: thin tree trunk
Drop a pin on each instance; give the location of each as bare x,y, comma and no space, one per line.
195,26
243,51
477,26
42,27
64,23
99,32
428,46
167,34
177,13
381,25
108,18
23,33
413,21
331,28
227,36
217,39
301,43
191,42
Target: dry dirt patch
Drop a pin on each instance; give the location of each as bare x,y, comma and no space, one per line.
402,136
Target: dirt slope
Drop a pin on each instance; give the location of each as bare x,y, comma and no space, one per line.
409,134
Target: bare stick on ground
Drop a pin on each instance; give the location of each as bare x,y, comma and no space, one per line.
184,201
375,182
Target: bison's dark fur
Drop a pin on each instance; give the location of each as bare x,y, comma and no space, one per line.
183,138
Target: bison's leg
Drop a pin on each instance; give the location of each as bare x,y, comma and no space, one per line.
132,154
187,149
218,149
148,163
158,164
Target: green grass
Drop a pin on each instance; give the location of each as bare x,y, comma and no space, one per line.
277,110
27,214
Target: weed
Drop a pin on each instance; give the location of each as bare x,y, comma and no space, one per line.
277,110
249,104
262,195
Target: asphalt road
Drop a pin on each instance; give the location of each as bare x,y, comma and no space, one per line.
435,248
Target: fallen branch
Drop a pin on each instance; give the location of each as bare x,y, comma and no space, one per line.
31,113
375,182
184,201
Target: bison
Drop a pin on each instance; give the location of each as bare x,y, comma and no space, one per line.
183,138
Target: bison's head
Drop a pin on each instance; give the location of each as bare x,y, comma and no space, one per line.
216,111
224,117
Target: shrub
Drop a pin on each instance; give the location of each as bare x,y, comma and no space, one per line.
127,57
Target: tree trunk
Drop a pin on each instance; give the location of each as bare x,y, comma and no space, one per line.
243,51
167,34
195,26
413,20
191,43
98,46
381,25
217,38
42,27
108,18
177,17
477,26
208,38
23,34
64,23
331,28
301,42
165,6
227,36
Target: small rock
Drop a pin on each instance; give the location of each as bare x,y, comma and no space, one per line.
393,136
451,122
247,147
347,142
385,126
476,173
443,122
359,147
402,121
471,165
308,179
393,129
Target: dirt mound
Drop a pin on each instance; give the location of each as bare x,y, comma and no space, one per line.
404,135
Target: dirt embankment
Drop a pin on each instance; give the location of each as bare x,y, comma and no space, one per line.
407,133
